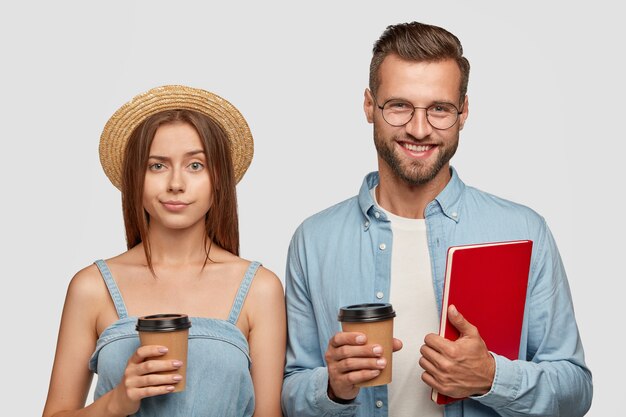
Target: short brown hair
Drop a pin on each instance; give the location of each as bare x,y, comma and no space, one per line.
221,222
418,42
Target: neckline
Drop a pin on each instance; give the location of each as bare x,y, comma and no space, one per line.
405,223
233,315
192,318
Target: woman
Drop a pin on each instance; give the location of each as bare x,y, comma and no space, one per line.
176,153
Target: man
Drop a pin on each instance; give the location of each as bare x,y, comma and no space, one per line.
389,244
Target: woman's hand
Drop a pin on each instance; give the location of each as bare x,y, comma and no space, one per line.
142,379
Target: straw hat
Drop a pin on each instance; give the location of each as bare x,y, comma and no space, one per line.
170,97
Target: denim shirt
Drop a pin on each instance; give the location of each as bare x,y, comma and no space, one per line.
342,256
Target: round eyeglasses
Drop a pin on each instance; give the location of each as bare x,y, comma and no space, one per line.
441,116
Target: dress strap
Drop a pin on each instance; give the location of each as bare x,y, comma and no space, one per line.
116,296
242,292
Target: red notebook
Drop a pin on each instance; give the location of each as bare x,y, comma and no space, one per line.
487,283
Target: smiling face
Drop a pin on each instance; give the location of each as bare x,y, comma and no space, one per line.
177,188
416,153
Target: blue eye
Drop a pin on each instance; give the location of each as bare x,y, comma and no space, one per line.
157,166
196,166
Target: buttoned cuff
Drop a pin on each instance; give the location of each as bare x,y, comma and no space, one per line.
506,383
323,401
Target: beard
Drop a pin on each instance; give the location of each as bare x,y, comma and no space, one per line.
413,172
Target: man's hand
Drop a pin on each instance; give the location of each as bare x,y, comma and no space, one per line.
461,368
351,361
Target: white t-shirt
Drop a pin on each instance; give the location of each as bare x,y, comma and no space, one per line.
413,298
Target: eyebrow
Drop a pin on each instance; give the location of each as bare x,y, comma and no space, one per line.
187,154
409,101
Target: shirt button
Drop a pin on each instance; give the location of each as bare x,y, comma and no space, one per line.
455,214
382,246
379,404
379,295
367,223
376,214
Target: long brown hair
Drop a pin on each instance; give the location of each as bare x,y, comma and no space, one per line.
421,43
221,221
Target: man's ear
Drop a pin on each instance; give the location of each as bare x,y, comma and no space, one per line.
368,105
464,113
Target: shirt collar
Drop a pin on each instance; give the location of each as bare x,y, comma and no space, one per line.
447,202
449,199
366,202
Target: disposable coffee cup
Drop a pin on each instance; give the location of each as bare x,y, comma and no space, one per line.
375,320
171,331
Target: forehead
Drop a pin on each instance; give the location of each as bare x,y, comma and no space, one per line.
419,81
175,137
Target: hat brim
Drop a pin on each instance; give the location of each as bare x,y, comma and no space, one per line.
120,126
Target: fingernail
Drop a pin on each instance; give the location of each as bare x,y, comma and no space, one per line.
169,388
360,339
375,373
177,377
377,349
381,362
177,363
163,349
453,311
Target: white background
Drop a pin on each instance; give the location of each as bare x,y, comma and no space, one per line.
545,129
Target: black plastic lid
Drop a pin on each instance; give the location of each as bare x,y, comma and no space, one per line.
366,312
163,323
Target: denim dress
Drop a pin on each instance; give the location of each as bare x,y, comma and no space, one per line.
218,361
